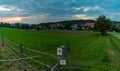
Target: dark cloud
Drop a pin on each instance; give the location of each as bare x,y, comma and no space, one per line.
58,9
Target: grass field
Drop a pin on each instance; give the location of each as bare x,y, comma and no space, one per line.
89,50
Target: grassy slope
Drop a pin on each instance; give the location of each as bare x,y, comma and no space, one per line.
115,47
89,51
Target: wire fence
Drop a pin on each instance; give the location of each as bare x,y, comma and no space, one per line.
15,52
17,59
44,53
27,55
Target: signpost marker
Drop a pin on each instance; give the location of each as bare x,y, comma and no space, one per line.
62,52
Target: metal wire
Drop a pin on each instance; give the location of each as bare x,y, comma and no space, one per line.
27,55
41,52
7,60
10,49
44,53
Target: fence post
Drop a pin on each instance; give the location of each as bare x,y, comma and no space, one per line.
2,36
62,52
22,56
2,40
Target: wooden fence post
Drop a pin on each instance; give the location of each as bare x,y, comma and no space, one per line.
22,56
2,40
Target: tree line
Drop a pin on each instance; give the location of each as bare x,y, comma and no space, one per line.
40,26
20,26
102,24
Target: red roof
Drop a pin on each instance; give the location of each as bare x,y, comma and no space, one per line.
89,24
53,26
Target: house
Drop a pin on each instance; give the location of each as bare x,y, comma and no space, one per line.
60,26
90,25
53,26
82,27
56,26
75,27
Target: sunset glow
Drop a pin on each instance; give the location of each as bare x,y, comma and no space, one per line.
11,19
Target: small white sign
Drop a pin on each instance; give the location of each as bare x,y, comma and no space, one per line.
59,51
62,62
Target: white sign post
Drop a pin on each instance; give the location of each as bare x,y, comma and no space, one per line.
62,62
59,51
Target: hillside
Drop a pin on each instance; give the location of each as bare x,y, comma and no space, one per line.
71,22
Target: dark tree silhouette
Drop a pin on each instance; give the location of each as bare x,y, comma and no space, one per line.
102,24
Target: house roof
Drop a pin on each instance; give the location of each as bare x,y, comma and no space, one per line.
89,24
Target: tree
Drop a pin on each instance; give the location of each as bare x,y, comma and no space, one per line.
17,25
67,26
102,24
25,26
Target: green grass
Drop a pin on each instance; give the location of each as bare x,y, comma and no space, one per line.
89,50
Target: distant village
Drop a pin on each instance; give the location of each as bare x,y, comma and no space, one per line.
63,25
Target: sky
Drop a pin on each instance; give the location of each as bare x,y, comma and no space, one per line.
41,11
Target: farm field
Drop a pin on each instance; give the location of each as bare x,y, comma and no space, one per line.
88,50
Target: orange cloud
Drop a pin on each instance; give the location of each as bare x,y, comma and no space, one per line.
11,19
83,17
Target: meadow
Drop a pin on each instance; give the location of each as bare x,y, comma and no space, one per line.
89,51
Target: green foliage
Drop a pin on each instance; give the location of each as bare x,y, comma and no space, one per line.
4,24
102,24
67,26
105,59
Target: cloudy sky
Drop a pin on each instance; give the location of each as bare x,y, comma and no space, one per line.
37,11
